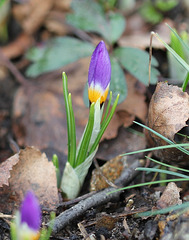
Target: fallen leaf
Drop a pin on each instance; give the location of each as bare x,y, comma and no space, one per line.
39,116
127,140
170,196
5,168
135,103
106,221
33,172
168,114
18,46
133,106
32,14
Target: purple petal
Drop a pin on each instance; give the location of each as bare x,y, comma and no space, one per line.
100,67
30,211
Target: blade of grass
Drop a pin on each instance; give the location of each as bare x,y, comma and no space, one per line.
167,165
147,183
82,153
68,116
162,137
157,148
107,109
179,38
164,210
178,58
162,171
72,158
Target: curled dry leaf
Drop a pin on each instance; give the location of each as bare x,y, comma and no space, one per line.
6,167
33,172
170,196
168,114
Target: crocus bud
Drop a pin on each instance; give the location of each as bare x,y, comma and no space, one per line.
30,218
99,74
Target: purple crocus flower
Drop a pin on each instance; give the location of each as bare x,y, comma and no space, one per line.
99,74
30,212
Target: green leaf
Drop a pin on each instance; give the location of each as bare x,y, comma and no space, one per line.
136,62
115,27
177,57
150,14
162,171
89,16
83,147
56,53
166,5
118,82
70,183
172,208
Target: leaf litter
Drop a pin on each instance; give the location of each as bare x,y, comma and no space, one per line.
168,114
28,129
29,170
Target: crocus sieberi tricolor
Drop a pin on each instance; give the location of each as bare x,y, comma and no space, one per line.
29,218
80,158
99,74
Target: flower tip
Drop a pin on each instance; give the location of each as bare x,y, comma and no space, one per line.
30,211
99,74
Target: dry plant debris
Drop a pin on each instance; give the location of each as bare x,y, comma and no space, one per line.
32,171
111,170
170,196
168,114
5,168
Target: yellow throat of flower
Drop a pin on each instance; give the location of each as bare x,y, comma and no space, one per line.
94,95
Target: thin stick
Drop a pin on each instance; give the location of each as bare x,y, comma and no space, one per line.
97,199
150,56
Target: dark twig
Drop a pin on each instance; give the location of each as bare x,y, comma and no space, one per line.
97,199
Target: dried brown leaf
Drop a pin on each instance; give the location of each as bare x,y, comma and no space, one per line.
168,114
18,46
32,14
170,196
5,168
32,172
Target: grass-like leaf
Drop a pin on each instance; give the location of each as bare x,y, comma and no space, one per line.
178,58
167,165
162,171
68,115
150,183
72,132
184,206
104,126
157,148
163,137
186,47
107,109
82,153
